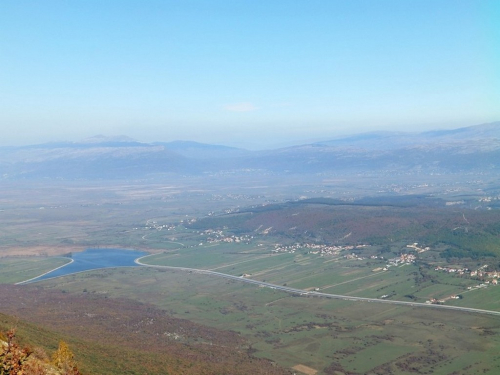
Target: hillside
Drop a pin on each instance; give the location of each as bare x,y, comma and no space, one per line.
116,336
17,360
465,232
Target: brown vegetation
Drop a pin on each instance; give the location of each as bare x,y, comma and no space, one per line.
9,251
136,335
305,369
17,360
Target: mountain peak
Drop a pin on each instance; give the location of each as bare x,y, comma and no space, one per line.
106,139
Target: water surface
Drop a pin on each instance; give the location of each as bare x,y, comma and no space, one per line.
92,259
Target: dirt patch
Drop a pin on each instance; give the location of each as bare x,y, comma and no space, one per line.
9,251
29,251
305,370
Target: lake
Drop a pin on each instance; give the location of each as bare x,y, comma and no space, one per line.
92,259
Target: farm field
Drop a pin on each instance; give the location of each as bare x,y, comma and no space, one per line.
330,274
14,270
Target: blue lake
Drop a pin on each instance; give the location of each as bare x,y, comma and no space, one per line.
92,259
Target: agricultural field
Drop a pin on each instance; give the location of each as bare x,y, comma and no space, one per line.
15,270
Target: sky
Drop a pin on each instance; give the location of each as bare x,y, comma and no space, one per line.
253,73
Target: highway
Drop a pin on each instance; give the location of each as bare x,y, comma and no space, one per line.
320,294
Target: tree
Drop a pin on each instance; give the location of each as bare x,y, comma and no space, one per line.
63,359
15,360
12,357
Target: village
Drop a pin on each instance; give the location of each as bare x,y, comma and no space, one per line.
218,236
417,248
482,285
317,249
153,225
479,273
351,252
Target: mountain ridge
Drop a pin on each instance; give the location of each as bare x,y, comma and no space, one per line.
441,151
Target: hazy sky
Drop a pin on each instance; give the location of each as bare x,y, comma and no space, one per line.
252,73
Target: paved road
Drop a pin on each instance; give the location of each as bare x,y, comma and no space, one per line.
320,294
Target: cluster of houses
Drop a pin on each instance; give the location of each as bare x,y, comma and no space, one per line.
353,256
459,296
458,271
402,259
219,236
484,285
479,273
155,225
488,199
358,257
417,248
314,248
434,301
189,221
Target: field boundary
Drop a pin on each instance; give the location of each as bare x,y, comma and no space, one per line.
306,293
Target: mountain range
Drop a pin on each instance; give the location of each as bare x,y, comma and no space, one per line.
474,148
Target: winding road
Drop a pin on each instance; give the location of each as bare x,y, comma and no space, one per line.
320,294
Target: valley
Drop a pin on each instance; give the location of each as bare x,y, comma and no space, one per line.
393,253
249,187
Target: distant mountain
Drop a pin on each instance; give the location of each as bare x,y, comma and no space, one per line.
198,150
475,148
487,134
99,158
459,150
105,139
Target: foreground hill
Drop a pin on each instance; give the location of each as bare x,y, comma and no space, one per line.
475,148
18,360
112,336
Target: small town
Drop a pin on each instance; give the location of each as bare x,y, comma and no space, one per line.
479,273
417,248
153,225
314,248
217,236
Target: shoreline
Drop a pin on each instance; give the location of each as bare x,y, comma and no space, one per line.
34,279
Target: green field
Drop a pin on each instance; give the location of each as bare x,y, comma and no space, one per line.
14,270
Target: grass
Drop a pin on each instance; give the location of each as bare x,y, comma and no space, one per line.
376,355
484,298
91,358
14,270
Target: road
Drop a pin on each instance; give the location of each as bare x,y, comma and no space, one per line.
320,294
